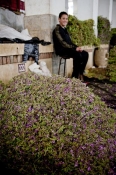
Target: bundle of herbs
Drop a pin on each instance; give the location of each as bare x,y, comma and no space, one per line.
104,30
111,70
82,32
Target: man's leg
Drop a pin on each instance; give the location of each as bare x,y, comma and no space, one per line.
84,59
76,60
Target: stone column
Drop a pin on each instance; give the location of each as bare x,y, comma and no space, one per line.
66,6
42,16
110,10
113,24
95,15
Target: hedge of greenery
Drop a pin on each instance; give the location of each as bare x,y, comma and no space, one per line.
104,33
113,31
55,125
82,32
111,70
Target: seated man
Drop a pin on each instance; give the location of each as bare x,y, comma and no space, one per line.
64,46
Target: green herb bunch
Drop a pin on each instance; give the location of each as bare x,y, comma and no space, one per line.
82,32
111,73
104,33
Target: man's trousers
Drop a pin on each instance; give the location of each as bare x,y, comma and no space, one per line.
79,60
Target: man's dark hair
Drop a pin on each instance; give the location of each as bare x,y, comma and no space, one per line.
62,13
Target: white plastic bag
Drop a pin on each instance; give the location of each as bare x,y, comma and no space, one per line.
44,68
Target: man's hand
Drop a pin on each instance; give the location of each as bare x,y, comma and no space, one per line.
78,49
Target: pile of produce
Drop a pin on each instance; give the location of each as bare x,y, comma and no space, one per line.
82,32
55,125
104,33
111,73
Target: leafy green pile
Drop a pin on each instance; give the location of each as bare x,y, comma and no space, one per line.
56,125
98,73
82,32
104,33
111,73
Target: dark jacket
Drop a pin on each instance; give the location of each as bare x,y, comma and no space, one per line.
61,40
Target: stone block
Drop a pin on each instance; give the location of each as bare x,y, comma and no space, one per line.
4,60
19,58
8,60
0,60
15,59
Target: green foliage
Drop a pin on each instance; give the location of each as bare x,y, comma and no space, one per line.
113,31
82,32
104,33
99,73
112,65
55,126
113,37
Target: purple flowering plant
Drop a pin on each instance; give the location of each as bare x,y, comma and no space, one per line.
55,125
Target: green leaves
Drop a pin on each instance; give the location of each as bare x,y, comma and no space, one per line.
55,125
82,32
104,33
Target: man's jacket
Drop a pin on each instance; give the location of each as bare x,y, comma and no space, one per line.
61,40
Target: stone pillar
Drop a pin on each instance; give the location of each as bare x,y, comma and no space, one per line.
110,10
66,6
42,16
95,15
113,24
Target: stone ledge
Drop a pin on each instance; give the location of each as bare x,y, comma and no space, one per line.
11,49
18,49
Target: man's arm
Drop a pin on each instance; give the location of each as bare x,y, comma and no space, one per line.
61,40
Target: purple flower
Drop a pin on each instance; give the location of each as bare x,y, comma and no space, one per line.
76,164
89,169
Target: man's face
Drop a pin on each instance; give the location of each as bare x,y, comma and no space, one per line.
63,20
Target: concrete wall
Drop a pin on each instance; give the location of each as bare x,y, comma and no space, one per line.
57,6
41,26
38,7
35,7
